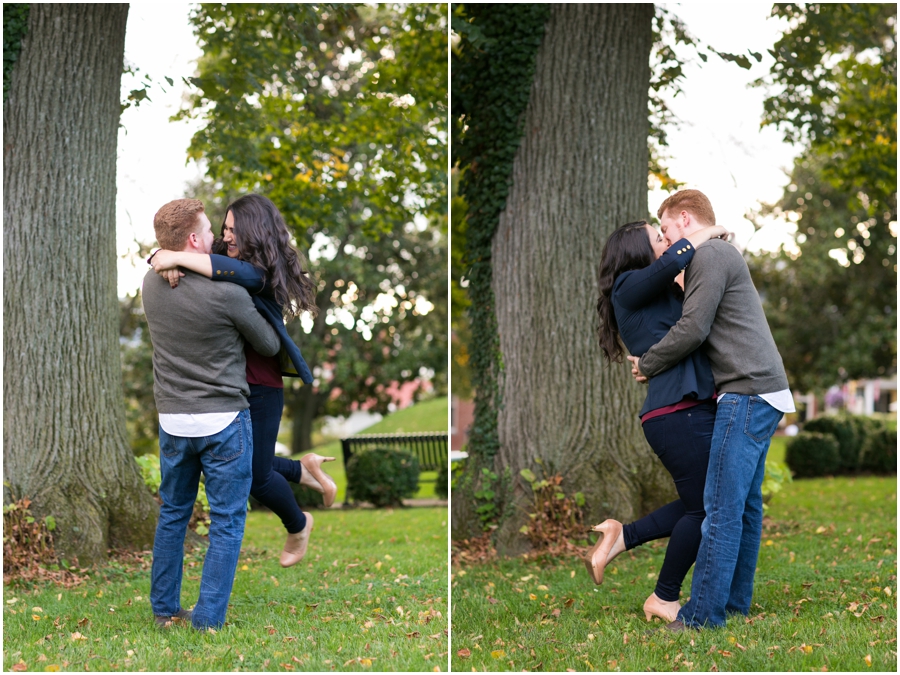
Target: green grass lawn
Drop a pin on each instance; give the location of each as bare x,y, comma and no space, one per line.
825,599
371,595
428,415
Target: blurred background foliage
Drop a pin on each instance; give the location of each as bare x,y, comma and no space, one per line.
831,295
337,113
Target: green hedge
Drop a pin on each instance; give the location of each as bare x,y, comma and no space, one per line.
880,451
863,444
382,477
849,431
810,454
440,486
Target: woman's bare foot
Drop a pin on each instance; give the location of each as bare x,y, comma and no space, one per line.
665,610
296,544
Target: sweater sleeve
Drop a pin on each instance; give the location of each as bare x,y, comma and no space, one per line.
640,287
705,287
253,325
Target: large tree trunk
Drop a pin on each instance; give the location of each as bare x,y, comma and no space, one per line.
304,406
64,438
580,171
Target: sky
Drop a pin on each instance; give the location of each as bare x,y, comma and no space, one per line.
719,147
152,168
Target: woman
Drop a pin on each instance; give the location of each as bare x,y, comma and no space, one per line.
639,302
259,256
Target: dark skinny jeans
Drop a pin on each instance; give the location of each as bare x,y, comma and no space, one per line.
681,440
270,473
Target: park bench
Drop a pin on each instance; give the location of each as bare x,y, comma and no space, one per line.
430,447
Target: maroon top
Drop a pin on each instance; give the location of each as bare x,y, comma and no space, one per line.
681,405
265,370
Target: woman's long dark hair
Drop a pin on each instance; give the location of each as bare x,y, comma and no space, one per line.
263,240
628,248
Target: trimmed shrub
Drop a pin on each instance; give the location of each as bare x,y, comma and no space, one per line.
382,476
810,454
307,498
849,431
440,486
880,451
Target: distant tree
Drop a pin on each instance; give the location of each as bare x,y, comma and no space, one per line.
830,300
64,438
831,297
833,87
136,351
338,114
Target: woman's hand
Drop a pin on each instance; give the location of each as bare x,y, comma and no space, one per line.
172,276
635,369
165,264
164,260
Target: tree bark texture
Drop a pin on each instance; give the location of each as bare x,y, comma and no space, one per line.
580,171
304,406
64,437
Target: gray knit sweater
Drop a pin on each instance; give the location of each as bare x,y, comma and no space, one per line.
722,308
198,348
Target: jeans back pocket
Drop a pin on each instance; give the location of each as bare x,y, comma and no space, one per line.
762,419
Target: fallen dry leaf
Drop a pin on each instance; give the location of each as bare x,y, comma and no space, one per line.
464,653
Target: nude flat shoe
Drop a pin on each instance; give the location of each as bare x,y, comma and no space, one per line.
296,544
595,560
667,611
313,464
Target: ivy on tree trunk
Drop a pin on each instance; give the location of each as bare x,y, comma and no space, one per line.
579,171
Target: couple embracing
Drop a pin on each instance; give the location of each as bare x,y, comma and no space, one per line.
717,391
217,325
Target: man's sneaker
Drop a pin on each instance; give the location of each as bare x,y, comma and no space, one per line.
183,617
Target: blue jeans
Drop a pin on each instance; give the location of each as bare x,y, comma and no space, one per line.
726,561
225,459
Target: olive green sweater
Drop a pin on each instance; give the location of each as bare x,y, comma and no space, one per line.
198,331
722,312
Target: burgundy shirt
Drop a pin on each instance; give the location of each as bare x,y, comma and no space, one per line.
264,370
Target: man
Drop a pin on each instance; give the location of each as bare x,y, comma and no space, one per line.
201,391
722,312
